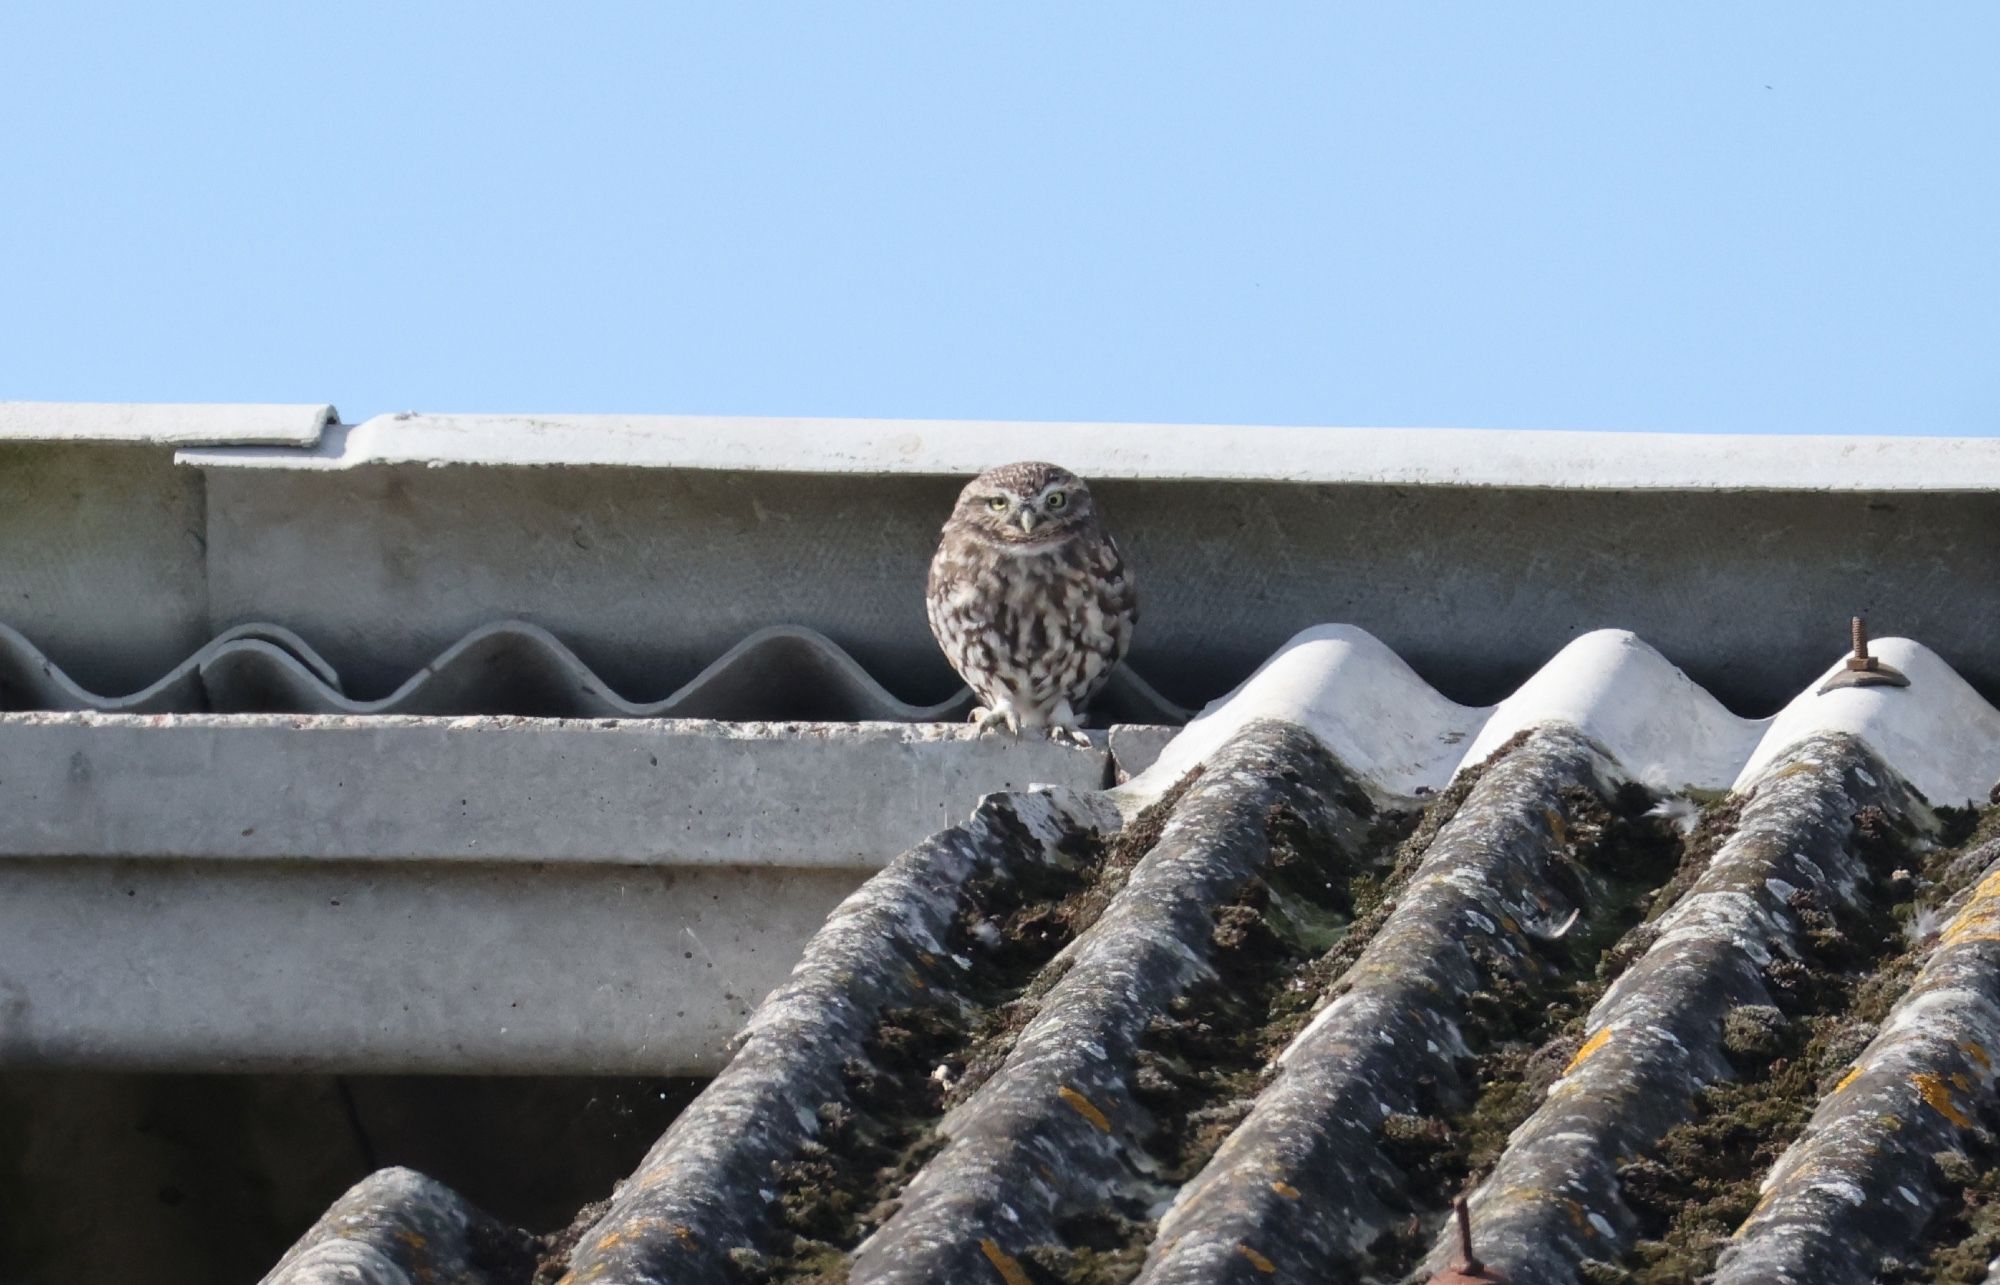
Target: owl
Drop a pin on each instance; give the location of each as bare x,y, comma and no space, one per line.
1029,597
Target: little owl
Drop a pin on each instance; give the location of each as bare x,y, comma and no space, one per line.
1029,598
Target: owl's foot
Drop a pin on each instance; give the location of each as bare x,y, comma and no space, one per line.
988,719
1071,736
1065,727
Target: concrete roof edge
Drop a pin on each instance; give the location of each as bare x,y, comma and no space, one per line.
290,425
1155,452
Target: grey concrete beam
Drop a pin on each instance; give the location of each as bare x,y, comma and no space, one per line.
335,787
456,968
474,896
102,559
648,575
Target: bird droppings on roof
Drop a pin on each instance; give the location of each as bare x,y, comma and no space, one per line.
1266,1019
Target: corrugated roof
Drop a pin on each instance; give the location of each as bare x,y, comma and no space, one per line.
1605,953
783,673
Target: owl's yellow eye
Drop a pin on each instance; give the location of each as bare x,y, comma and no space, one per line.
1057,499
998,503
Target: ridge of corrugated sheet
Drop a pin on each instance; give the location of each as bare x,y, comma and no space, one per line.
1402,737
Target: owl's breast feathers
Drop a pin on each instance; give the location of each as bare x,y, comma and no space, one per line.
1031,627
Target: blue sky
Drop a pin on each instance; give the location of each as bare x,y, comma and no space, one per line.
1773,217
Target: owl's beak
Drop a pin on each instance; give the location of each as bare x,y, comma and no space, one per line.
1028,521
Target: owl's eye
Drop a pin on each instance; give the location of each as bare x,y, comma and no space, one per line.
1057,499
998,503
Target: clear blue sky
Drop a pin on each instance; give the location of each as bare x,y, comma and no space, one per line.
1723,216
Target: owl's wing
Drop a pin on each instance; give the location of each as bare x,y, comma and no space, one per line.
944,577
1119,593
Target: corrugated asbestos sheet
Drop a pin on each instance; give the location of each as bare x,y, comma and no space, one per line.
1667,991
784,673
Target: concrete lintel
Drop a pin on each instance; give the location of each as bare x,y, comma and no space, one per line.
1153,452
337,787
455,968
465,895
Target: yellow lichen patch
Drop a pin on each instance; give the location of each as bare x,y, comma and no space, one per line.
1853,1074
1980,920
684,1233
1961,1081
911,977
1257,1260
414,1240
1938,1097
1976,1053
1285,1189
1003,1262
1085,1107
1556,826
1590,1046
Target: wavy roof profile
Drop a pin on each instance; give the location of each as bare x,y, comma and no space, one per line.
1353,692
1348,945
783,673
1402,736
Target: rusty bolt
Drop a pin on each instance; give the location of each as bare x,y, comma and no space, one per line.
1468,1270
1861,660
1862,669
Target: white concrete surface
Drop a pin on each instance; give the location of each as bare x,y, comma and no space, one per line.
165,424
1390,456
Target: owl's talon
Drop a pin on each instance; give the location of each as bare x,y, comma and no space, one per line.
985,720
1070,736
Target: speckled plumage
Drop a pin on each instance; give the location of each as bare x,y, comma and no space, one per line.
1029,596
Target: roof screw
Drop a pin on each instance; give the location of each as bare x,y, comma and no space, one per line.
1862,669
1468,1270
1467,1260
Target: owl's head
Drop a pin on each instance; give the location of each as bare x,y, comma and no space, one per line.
1025,503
